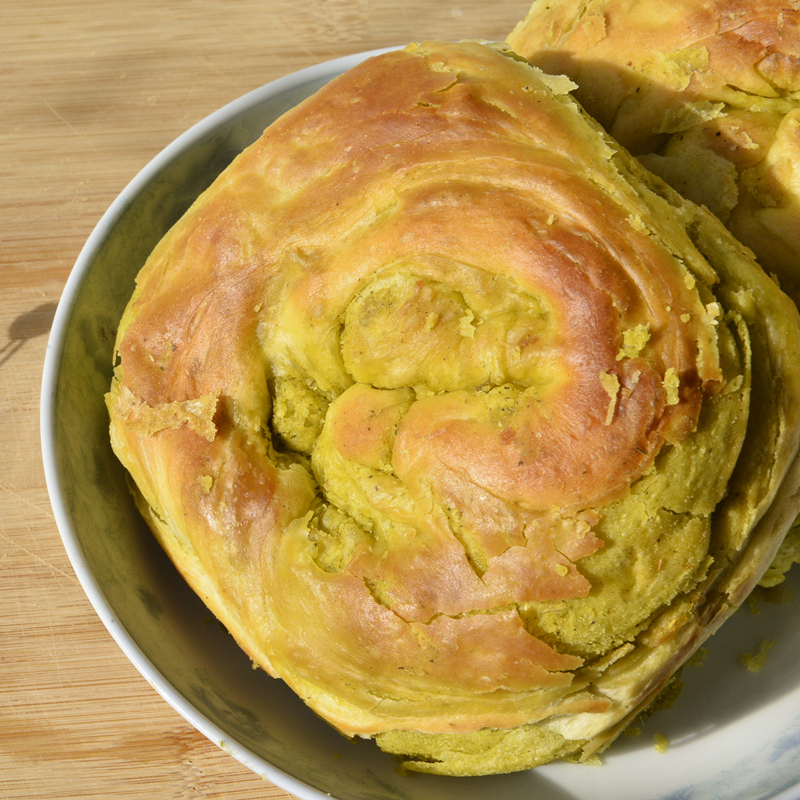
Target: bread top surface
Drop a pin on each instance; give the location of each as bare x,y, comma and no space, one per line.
707,93
437,399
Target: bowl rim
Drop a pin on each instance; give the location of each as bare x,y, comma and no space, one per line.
48,423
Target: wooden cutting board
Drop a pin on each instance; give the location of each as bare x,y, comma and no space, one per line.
89,93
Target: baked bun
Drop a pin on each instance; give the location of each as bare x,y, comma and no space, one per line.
705,92
442,405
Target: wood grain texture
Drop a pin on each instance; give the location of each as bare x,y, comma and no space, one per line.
90,92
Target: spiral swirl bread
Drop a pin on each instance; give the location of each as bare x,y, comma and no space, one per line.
441,403
706,92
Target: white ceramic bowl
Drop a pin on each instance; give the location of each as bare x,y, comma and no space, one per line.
732,734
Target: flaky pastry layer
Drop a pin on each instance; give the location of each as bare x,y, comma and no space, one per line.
443,406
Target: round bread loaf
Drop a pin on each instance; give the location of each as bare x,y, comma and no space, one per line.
463,424
705,92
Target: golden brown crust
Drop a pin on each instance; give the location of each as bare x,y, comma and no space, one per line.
707,93
436,398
